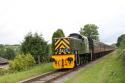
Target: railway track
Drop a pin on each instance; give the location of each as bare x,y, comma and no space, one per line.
50,76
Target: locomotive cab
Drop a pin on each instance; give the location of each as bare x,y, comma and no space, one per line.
62,56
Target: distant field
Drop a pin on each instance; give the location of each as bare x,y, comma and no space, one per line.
108,70
15,77
16,48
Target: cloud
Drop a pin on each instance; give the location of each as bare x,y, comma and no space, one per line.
17,18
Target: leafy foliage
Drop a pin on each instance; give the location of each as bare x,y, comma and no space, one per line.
3,71
36,46
22,62
2,50
122,44
121,41
57,34
90,30
7,53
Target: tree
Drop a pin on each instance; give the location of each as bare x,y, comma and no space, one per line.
122,44
36,46
121,41
2,50
9,53
57,34
90,30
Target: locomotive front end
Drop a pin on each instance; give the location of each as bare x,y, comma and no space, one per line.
62,56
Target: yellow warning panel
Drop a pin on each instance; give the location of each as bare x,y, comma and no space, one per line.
63,61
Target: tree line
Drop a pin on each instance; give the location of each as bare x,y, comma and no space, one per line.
35,45
8,51
39,48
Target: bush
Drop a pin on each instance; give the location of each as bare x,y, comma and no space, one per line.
22,62
120,39
122,43
3,71
7,52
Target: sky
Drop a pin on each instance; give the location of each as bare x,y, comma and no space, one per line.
18,17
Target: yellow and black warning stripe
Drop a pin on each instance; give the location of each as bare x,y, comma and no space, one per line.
62,43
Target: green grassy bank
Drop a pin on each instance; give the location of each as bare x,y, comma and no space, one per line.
17,76
110,69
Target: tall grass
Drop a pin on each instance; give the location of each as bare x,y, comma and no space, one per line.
17,76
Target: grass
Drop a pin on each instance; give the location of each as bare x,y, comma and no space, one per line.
17,76
110,69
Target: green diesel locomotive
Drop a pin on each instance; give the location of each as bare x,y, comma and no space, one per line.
75,50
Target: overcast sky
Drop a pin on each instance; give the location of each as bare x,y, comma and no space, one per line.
18,17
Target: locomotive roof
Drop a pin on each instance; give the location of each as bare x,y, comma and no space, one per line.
74,35
77,35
